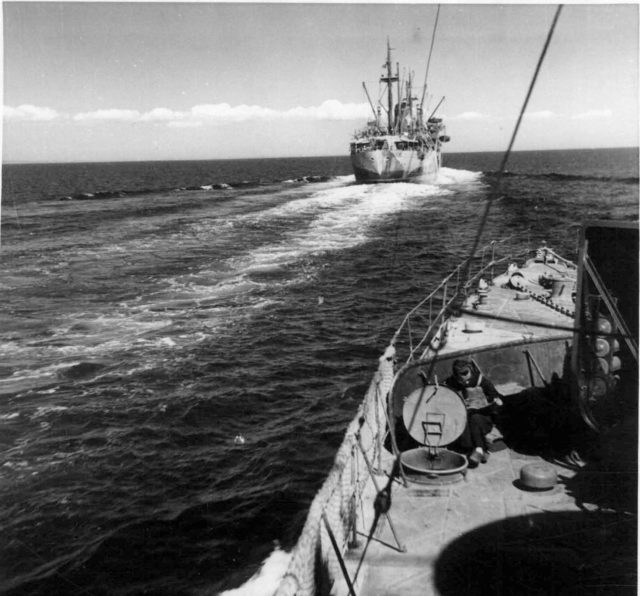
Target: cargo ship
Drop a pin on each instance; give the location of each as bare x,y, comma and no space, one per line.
398,144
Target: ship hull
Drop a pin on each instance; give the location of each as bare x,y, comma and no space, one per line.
383,165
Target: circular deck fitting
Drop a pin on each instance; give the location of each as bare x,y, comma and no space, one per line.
435,416
443,467
539,476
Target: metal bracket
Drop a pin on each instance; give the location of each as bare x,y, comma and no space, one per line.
531,360
401,548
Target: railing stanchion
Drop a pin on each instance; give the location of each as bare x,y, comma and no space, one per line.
493,259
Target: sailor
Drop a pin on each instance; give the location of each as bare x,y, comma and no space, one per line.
480,398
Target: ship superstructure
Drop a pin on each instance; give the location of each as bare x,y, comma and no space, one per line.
398,144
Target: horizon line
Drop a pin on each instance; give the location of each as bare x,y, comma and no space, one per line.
341,155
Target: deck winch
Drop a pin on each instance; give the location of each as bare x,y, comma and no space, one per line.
435,416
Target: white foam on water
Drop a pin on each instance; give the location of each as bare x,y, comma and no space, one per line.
267,579
87,338
23,379
45,372
9,416
215,302
152,323
348,179
45,410
313,219
84,336
339,218
451,176
228,287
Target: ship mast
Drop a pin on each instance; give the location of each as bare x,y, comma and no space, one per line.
410,101
388,80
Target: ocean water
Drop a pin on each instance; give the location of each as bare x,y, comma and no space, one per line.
153,312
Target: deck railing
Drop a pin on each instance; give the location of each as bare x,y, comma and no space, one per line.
421,324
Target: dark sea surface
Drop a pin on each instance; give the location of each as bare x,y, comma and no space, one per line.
152,312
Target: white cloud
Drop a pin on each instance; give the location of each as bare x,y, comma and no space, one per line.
331,109
161,115
198,115
105,115
593,114
223,113
30,113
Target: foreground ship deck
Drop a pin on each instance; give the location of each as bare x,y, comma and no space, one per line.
380,526
486,535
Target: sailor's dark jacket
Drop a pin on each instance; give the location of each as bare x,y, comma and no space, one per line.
479,393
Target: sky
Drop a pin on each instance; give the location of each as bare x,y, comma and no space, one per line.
162,81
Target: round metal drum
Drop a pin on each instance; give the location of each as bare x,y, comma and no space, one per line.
434,415
443,467
538,476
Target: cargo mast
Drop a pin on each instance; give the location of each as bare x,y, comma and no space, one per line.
388,80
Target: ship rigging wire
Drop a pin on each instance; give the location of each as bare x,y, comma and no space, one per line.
495,190
426,74
497,184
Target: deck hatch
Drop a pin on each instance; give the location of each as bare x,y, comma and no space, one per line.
434,416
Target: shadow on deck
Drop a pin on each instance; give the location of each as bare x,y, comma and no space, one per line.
550,553
592,551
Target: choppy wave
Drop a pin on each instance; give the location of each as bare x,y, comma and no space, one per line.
561,177
181,310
